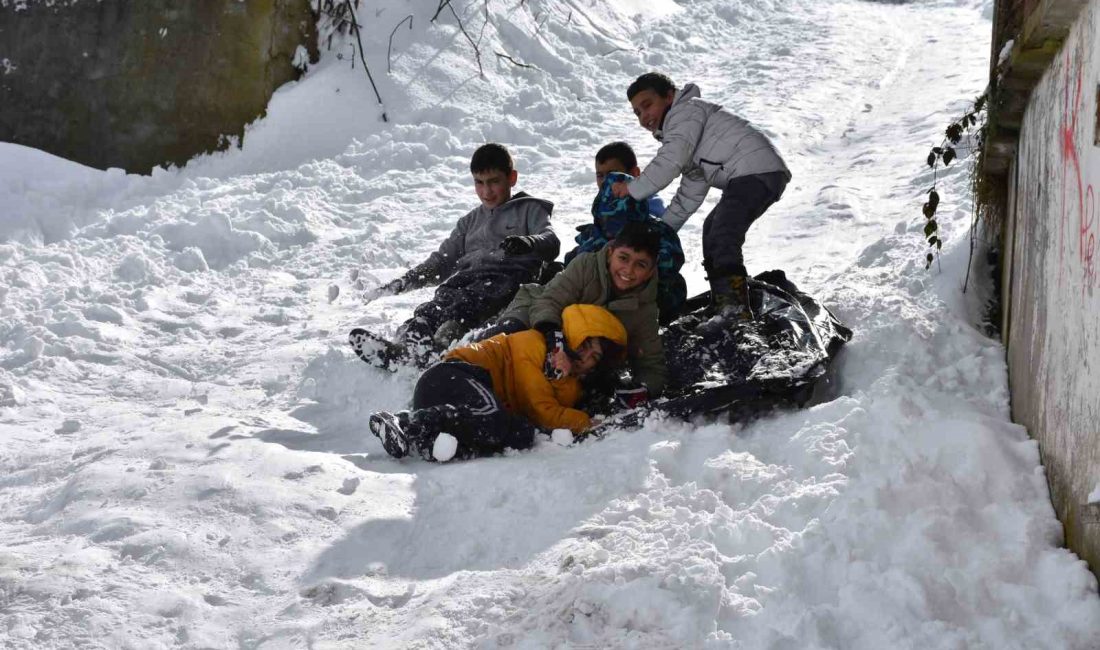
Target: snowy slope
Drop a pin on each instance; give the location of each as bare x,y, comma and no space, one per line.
183,456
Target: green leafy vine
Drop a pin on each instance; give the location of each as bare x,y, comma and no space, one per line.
947,152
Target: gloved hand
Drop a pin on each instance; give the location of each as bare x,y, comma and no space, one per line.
518,244
630,397
555,343
389,289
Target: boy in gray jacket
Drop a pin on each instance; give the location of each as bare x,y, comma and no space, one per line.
707,146
493,249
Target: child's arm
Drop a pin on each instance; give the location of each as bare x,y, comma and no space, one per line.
689,196
563,290
442,262
544,243
537,397
678,143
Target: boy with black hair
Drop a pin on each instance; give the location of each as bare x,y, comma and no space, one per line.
707,146
493,395
620,157
492,250
609,215
621,277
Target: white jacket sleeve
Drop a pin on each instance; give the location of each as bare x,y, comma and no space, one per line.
689,196
680,137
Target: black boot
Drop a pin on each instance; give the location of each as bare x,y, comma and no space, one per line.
423,426
376,350
417,336
729,296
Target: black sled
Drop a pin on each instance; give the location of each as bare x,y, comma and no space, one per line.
723,367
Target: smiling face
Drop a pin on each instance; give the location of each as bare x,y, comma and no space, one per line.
589,354
650,108
629,268
494,187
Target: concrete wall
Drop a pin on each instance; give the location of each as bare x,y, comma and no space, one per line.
1052,279
139,83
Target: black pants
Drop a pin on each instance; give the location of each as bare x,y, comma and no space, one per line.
456,397
742,203
471,297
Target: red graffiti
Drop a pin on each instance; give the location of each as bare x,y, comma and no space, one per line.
1086,237
1086,200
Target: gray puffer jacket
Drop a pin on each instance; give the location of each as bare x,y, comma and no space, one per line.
707,146
476,239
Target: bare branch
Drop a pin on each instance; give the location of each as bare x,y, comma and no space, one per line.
442,4
362,57
484,24
477,50
502,55
389,50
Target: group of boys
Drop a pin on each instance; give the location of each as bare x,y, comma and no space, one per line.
558,326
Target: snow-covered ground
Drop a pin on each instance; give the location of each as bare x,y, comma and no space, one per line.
183,456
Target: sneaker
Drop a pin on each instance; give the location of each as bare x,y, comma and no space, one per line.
376,350
387,428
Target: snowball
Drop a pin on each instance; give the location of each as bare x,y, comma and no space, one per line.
563,437
444,447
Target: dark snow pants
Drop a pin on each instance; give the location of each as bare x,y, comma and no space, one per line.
470,297
456,397
742,203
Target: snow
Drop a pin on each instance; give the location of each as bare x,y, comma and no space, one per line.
1006,51
184,453
444,447
563,437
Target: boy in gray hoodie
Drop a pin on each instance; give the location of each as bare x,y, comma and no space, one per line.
492,250
707,146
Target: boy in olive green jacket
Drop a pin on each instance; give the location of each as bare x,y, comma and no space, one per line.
620,277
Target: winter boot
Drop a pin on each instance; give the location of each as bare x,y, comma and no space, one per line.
729,296
420,348
447,333
427,426
376,350
390,429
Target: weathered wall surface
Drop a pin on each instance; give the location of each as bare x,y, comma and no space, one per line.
138,83
1052,287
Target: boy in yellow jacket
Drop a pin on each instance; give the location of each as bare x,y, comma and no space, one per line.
496,394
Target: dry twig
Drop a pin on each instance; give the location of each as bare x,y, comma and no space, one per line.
362,57
520,64
389,50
